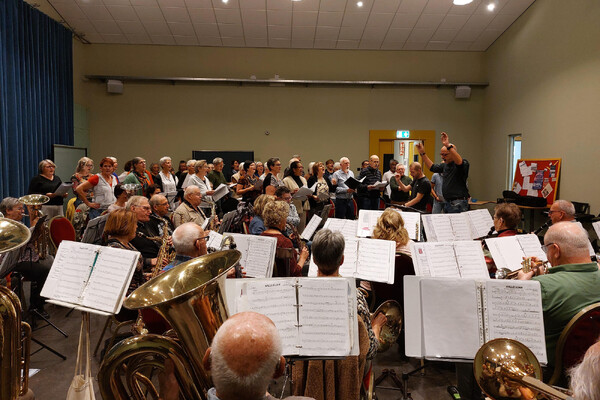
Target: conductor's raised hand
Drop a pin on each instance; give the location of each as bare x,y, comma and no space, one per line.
419,147
445,139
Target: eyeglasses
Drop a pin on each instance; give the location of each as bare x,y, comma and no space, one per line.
145,208
546,246
166,203
550,212
203,238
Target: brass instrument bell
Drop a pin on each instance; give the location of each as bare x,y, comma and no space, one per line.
13,235
390,331
34,200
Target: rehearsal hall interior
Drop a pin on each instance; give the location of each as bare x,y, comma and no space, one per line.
506,80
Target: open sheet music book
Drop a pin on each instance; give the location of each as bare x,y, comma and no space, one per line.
460,259
596,226
220,192
311,227
315,317
346,227
367,220
89,277
449,318
368,259
464,226
353,183
508,251
258,252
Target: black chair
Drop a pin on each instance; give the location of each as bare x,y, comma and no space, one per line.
582,212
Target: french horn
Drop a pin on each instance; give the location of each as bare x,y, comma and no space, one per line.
191,298
507,369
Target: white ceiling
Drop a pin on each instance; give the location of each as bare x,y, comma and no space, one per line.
318,24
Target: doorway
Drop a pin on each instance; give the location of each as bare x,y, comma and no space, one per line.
386,145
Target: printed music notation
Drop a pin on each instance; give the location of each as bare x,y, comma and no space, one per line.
508,252
367,220
462,259
451,227
90,276
347,227
258,252
314,316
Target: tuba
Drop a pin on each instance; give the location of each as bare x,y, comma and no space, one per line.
191,298
41,235
507,369
391,330
15,336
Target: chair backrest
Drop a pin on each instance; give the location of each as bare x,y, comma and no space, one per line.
581,332
383,291
61,229
581,208
283,259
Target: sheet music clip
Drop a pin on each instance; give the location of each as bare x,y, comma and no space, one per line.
298,326
297,305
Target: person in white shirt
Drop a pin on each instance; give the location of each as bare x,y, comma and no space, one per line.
344,206
387,176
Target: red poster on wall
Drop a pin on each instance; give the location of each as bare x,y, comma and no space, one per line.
537,178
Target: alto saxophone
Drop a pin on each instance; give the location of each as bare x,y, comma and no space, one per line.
214,219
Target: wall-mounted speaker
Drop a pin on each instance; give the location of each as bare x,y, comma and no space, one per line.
114,86
462,92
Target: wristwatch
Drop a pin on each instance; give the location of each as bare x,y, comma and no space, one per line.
449,147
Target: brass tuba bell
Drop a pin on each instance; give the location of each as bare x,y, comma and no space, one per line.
391,330
191,298
506,369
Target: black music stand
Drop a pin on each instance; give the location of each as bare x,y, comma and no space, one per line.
94,230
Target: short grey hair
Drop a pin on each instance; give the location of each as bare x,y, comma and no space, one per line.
190,163
199,164
155,199
254,384
566,206
190,190
164,160
217,160
185,236
344,159
43,163
328,250
135,201
572,239
8,204
584,377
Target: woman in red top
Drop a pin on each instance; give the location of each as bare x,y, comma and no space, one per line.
104,185
274,216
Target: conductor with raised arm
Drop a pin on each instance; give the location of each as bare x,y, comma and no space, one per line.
456,172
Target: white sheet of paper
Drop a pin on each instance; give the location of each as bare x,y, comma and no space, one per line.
258,254
514,311
412,223
471,260
525,169
348,267
506,252
346,227
428,227
517,188
531,246
367,219
480,222
376,260
532,192
441,259
303,192
420,260
450,328
63,188
311,227
460,226
220,191
526,183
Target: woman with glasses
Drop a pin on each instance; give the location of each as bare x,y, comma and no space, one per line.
103,185
46,183
83,171
139,175
294,180
271,180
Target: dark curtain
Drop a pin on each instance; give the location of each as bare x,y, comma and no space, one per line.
36,92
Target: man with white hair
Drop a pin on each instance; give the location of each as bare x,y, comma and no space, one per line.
368,194
142,241
584,377
561,211
189,240
570,285
344,206
189,210
245,355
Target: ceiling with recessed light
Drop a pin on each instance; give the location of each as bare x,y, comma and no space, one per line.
311,24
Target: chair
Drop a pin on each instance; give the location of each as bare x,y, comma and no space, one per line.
582,212
332,210
355,208
283,258
383,291
581,332
61,229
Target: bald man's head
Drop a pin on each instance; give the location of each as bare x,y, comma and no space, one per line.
567,243
245,355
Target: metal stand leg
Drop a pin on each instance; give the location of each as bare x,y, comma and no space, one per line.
50,349
36,313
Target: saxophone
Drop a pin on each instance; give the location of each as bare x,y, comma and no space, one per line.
214,218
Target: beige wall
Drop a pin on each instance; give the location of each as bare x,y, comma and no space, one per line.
153,120
544,75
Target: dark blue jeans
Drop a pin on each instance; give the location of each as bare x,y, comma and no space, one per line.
344,208
456,206
368,203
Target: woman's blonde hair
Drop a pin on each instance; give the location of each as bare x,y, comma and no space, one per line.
81,163
390,226
260,203
274,213
121,223
199,165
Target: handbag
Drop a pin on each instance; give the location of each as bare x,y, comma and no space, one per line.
81,386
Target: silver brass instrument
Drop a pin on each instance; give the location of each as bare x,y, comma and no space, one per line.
191,298
528,265
507,369
391,330
41,236
133,189
15,335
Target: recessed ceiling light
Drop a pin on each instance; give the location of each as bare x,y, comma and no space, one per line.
491,7
359,4
225,1
462,2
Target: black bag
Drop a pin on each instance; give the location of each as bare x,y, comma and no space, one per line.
528,201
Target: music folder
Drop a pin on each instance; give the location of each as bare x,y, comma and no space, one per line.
315,317
90,278
450,319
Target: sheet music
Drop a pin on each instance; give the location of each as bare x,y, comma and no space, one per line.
113,268
302,193
531,247
506,252
471,260
514,311
412,223
419,257
347,227
311,227
450,321
367,219
323,317
596,226
376,260
441,259
442,227
214,239
480,222
460,226
258,254
220,191
275,298
63,188
428,227
348,269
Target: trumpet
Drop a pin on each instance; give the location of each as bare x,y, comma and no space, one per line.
528,265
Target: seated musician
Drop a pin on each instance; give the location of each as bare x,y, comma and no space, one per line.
507,217
562,211
189,240
122,196
584,383
274,216
30,264
189,210
340,379
245,355
283,193
145,241
160,215
257,225
570,285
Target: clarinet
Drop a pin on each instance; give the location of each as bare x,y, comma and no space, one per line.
541,228
489,234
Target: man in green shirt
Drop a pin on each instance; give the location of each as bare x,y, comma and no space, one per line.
571,284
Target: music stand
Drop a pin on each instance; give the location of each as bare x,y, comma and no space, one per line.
94,230
226,222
